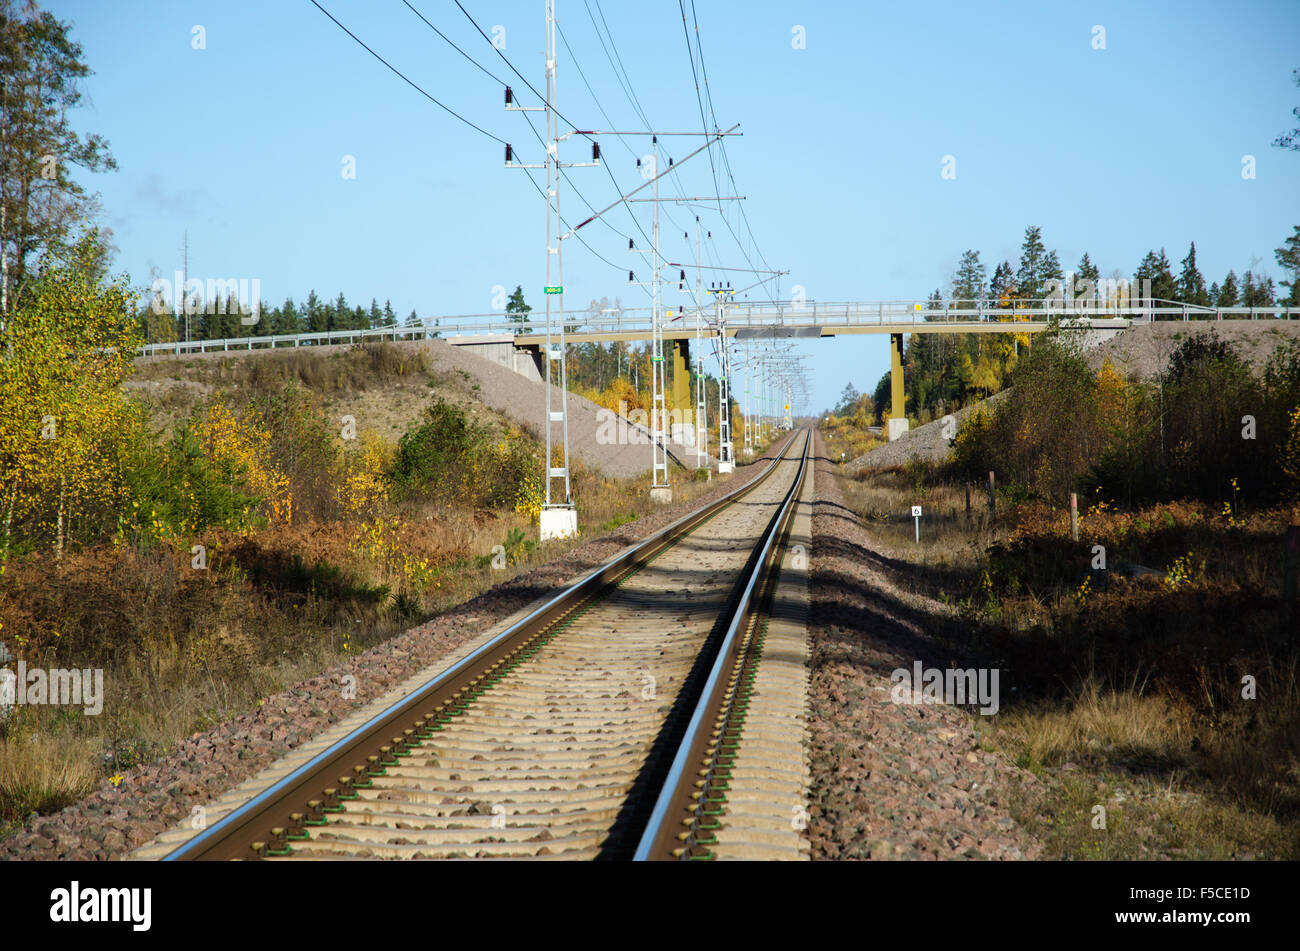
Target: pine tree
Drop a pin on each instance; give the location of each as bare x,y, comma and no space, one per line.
1087,270
412,320
1228,292
375,317
1288,259
231,326
968,282
1003,283
266,320
1086,275
1191,285
516,309
1031,275
390,319
318,315
1291,140
1156,269
1257,291
848,400
880,398
1052,272
288,321
339,313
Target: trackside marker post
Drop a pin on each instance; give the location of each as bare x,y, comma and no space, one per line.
916,514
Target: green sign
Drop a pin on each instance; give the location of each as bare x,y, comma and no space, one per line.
553,289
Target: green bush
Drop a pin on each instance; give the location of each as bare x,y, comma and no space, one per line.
182,491
450,458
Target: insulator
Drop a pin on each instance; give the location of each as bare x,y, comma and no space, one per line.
638,163
510,96
595,151
682,277
629,277
510,154
629,244
670,161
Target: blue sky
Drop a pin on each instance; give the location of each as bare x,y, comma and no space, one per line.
1110,151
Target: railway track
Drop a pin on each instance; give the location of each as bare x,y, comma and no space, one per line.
635,715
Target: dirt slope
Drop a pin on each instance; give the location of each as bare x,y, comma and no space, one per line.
484,388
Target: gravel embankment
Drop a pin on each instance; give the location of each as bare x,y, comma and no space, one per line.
1144,350
890,780
151,798
524,401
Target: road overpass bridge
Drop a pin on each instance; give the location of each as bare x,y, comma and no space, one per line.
520,345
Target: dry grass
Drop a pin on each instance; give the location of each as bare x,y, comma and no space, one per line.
43,771
951,550
1096,724
847,439
336,370
1129,692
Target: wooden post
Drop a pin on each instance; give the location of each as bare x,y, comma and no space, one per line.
1290,561
968,501
1074,516
993,498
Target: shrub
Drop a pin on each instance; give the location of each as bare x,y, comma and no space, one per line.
450,459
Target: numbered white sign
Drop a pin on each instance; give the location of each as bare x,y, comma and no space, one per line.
916,511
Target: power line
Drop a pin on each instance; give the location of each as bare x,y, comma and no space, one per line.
632,96
546,104
501,82
725,158
699,101
600,107
452,44
559,115
406,79
573,56
625,82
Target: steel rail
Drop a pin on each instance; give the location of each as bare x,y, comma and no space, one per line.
681,794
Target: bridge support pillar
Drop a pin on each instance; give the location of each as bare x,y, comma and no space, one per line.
530,354
897,399
682,429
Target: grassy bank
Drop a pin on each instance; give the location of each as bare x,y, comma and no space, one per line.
1161,688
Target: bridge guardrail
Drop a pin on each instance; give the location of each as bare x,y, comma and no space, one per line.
792,314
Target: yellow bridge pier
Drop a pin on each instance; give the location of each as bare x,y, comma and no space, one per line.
897,399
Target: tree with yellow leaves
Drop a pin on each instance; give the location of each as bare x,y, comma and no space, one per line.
67,346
